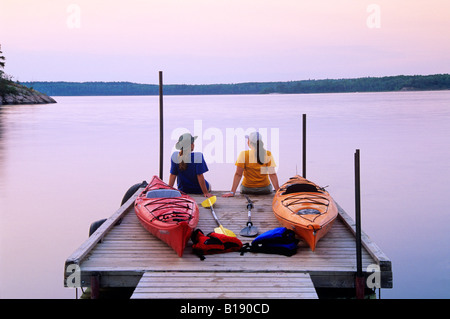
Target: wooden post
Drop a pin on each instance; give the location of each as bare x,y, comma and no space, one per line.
161,126
304,146
95,286
359,281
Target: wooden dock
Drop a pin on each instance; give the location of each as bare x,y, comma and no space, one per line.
122,254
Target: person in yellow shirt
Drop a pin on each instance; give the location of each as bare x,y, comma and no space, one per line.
258,168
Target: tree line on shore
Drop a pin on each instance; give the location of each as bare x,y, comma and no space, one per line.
366,84
5,87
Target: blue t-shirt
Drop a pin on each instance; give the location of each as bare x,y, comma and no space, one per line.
187,180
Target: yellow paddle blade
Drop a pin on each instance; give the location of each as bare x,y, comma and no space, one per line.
209,201
223,230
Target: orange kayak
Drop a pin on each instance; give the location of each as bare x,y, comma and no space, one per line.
305,208
167,213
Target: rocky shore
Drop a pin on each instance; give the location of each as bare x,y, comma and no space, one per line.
24,95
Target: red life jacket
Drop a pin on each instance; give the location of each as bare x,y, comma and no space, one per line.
213,243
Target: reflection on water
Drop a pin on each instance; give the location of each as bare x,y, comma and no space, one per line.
2,152
65,165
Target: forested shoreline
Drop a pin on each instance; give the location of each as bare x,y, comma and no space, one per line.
13,93
366,84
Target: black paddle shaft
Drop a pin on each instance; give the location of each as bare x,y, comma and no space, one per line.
250,230
249,207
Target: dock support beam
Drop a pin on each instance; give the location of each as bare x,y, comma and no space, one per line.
161,126
304,147
359,280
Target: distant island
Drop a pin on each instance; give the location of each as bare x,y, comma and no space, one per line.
365,84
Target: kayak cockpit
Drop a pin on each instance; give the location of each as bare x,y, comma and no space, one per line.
163,193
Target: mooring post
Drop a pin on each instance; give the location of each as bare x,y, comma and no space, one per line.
95,286
359,280
304,146
161,126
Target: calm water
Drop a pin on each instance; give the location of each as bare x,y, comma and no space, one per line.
65,165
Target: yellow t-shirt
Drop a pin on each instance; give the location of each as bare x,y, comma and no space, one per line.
255,174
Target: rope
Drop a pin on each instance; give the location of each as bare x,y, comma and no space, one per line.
306,199
175,203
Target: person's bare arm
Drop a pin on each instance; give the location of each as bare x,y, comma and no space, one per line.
274,180
236,180
201,181
172,179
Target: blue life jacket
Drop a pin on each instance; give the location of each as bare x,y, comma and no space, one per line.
279,241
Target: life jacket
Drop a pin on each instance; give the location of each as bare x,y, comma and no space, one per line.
213,243
279,241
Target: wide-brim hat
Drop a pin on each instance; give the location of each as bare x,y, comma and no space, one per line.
185,140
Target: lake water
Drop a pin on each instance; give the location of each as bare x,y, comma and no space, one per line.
65,165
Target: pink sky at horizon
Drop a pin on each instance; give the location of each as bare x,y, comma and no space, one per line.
205,41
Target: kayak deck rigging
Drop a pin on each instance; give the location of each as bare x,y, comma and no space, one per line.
307,199
175,203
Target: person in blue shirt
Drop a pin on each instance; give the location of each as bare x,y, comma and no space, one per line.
188,167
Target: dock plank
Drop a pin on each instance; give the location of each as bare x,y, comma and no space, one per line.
194,285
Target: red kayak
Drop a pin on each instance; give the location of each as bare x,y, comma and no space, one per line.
167,213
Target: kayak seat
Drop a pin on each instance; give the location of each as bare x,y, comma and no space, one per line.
163,193
301,188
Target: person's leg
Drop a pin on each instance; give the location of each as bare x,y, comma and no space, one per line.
256,190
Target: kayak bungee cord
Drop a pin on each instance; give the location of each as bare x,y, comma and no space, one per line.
314,199
175,203
174,217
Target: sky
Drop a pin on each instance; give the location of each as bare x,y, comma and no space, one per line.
222,41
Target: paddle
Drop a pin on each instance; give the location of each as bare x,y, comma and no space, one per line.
250,230
209,202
